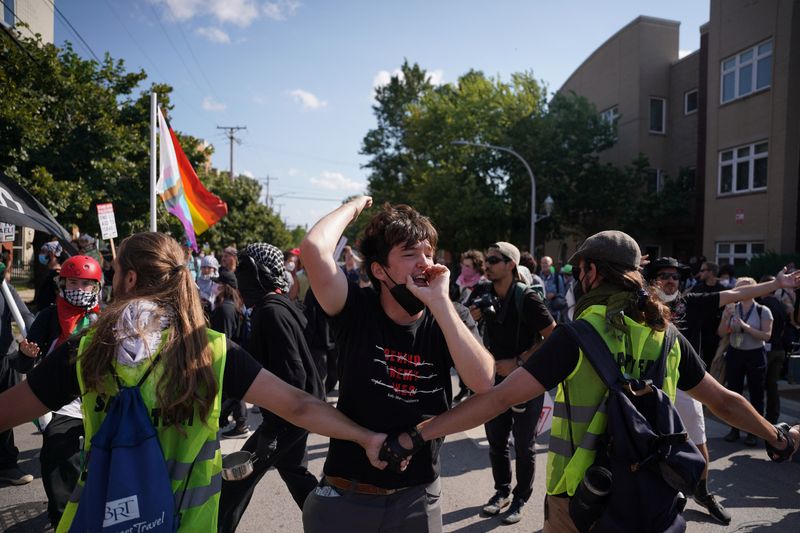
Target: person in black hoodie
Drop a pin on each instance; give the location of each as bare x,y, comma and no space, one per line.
227,318
278,343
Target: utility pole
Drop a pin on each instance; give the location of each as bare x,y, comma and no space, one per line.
230,134
267,179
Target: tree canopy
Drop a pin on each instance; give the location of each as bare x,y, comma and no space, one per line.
477,195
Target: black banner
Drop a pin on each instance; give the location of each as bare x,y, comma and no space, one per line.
19,208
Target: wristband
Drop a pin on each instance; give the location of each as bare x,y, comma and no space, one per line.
520,362
417,442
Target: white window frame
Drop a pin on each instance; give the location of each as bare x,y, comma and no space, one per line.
738,65
729,257
686,102
663,115
734,163
610,115
659,179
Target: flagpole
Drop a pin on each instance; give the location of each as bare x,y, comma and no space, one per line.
153,122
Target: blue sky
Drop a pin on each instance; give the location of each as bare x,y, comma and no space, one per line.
300,74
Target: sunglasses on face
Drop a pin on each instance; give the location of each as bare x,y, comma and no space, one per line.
493,260
664,276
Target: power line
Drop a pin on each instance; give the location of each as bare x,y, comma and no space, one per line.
75,31
177,53
231,131
135,42
304,155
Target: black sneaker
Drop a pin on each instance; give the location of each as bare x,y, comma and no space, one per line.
462,395
514,513
15,476
750,440
715,509
496,504
237,432
732,436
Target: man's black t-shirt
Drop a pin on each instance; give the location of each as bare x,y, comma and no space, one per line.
780,316
55,380
392,377
691,311
708,321
558,357
505,335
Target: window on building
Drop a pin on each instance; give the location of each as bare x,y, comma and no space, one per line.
743,169
746,72
658,115
654,180
737,253
8,12
610,115
690,102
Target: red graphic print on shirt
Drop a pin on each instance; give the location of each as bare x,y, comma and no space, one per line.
406,375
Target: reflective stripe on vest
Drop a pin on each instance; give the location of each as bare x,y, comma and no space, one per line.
587,395
195,453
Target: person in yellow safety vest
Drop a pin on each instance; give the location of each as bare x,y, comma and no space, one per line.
611,294
157,310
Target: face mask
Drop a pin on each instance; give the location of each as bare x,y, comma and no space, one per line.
289,266
410,303
79,298
666,298
43,259
249,286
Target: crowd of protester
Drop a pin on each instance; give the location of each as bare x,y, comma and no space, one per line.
359,320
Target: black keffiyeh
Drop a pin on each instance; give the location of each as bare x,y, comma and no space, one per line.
271,259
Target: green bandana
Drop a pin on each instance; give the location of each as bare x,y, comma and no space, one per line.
617,300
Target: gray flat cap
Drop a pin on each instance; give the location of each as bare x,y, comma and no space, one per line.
508,250
612,246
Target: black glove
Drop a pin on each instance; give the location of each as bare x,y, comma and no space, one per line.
394,453
783,434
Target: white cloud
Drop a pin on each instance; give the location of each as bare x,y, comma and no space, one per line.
239,12
280,10
259,99
247,173
307,100
292,172
684,53
209,104
336,181
383,77
215,35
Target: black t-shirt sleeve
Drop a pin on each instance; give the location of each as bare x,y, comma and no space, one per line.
702,303
54,381
691,369
240,371
554,360
536,317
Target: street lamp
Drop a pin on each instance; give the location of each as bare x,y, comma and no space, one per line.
548,202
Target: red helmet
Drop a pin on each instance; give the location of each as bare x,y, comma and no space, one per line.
81,267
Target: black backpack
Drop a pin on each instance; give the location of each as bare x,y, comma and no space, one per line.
645,449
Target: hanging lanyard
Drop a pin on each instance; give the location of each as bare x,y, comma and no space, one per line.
741,313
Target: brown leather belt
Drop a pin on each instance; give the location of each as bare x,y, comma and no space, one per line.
359,488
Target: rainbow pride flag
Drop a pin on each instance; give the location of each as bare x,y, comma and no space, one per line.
180,188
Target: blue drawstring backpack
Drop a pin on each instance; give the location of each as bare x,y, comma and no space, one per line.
127,485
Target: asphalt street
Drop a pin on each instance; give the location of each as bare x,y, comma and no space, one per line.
761,495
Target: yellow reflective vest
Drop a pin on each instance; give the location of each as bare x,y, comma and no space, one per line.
587,398
194,460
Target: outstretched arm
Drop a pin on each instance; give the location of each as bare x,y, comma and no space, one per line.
781,281
306,411
325,277
19,405
520,386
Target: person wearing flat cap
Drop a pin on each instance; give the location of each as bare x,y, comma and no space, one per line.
612,297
